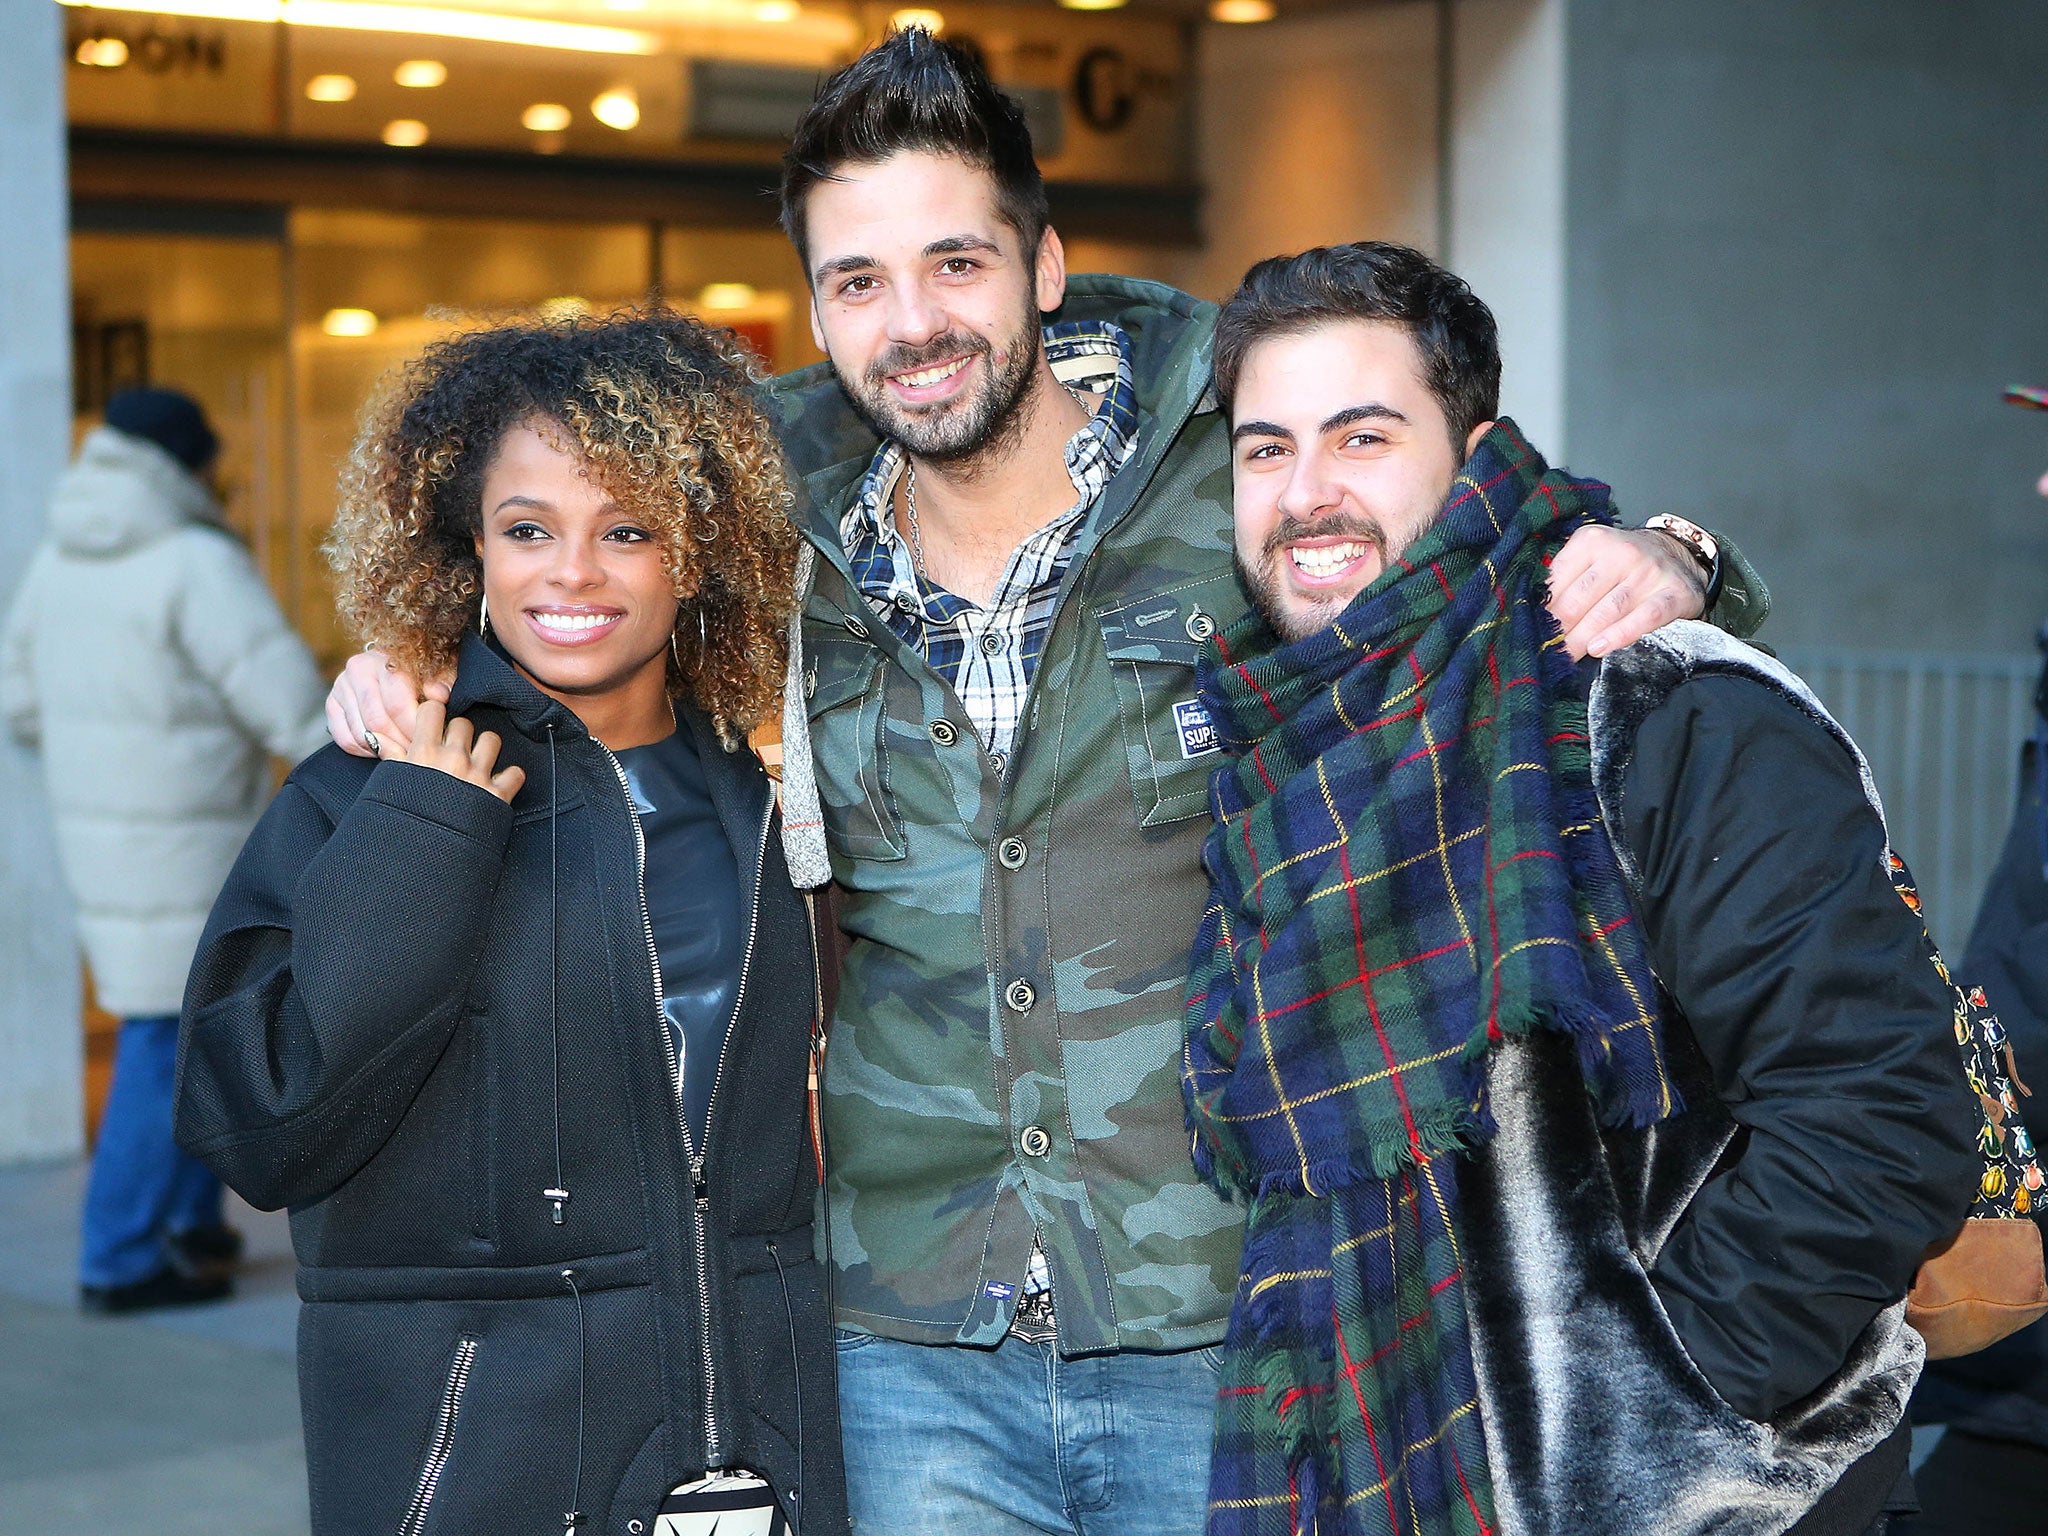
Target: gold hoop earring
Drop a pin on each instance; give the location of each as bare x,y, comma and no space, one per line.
703,641
675,651
483,615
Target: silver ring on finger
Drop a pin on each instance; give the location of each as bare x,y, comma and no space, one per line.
370,740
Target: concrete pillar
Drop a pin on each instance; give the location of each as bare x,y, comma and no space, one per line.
1507,85
41,1074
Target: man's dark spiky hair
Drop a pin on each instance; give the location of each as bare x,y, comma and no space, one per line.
913,92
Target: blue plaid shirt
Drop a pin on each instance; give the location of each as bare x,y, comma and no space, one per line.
988,654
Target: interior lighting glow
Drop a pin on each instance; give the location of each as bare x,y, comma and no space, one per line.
777,12
405,133
331,88
417,20
102,53
1093,5
726,296
910,16
1241,11
618,108
421,74
349,322
546,117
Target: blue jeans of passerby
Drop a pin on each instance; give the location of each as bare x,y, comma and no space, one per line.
1015,1440
143,1188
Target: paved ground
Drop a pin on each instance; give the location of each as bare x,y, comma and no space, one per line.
179,1423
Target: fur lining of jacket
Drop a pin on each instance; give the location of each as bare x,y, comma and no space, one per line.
1599,1422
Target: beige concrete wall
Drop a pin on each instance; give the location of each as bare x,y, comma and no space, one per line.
1507,196
1314,131
40,1048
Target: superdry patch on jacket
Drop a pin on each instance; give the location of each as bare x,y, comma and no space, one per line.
427,1021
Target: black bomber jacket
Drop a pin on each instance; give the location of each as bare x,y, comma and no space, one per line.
1699,1327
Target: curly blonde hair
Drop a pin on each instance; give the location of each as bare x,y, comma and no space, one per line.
661,410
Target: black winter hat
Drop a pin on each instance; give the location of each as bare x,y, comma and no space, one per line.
170,419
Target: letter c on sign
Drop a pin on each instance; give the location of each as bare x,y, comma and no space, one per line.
1102,91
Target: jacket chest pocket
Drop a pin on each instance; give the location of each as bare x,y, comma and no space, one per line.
846,690
1153,643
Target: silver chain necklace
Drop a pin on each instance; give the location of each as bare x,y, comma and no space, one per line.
910,493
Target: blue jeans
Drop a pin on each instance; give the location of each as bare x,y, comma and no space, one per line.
143,1188
1014,1440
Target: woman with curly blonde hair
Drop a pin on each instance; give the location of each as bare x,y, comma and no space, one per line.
519,1021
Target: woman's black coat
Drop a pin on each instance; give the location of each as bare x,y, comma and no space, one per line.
426,1021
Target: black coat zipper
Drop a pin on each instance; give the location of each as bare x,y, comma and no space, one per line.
700,1189
442,1441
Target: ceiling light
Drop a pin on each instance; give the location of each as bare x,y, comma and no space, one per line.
618,108
776,12
1241,10
405,133
331,88
546,117
419,20
726,296
102,53
1094,5
348,322
421,74
917,16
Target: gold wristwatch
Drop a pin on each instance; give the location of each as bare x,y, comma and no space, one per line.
1699,542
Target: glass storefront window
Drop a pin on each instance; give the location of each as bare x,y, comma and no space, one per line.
205,315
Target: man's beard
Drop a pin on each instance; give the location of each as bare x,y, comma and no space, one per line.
1310,612
981,426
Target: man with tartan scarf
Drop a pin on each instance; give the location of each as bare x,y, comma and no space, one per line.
1591,1089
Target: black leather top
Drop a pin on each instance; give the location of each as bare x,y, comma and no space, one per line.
694,903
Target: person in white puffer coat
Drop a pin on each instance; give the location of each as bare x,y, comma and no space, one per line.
148,664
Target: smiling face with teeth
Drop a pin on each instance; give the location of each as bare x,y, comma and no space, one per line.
927,303
1341,457
576,590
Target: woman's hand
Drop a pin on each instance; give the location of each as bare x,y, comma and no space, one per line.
370,707
452,747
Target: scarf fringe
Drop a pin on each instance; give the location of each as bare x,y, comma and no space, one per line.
1455,1128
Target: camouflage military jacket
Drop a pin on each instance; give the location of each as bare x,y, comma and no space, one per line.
1005,1054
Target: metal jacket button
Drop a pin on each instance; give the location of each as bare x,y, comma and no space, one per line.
856,628
943,733
905,603
1020,996
1034,1141
1012,852
1200,625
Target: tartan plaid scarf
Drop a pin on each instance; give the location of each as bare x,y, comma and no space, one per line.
1408,868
